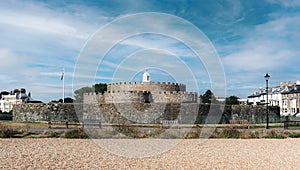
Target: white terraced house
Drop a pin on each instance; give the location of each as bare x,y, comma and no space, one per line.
286,96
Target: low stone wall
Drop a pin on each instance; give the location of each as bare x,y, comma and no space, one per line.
185,113
45,112
254,114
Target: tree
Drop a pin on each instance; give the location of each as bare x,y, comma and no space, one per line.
232,100
67,100
79,93
208,97
100,88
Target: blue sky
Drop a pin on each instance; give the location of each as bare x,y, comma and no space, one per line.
39,38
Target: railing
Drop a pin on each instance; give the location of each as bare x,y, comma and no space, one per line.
169,122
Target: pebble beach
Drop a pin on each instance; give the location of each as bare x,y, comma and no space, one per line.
51,153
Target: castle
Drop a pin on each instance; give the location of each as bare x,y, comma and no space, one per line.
143,92
144,102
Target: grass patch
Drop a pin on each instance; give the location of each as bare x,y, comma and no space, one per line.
33,123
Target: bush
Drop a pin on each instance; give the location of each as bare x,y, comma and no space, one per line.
6,132
273,134
6,116
75,134
254,135
230,133
54,135
294,135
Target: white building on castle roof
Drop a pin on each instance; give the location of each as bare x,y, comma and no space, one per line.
146,77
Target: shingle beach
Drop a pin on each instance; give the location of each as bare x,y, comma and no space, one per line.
188,154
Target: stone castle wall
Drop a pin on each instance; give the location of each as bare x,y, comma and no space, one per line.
45,112
137,86
186,113
138,97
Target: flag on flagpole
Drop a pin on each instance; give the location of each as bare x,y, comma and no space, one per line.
62,76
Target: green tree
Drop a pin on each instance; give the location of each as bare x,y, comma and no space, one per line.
67,100
208,97
79,93
100,88
232,100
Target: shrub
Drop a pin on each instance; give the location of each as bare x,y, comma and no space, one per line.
230,133
54,135
6,116
294,135
254,135
6,132
75,134
273,134
192,135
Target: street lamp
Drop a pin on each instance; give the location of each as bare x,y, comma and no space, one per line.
267,76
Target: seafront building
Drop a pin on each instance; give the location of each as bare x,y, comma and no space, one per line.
286,96
18,96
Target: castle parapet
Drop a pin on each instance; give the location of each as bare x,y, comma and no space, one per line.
152,86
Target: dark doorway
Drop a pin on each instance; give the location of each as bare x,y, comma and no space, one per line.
147,97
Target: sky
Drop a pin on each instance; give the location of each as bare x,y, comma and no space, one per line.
251,38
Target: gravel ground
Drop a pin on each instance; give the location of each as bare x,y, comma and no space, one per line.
188,154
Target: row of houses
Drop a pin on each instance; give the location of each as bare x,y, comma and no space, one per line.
286,96
18,96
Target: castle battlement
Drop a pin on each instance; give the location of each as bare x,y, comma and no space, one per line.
144,92
141,97
146,86
152,83
139,92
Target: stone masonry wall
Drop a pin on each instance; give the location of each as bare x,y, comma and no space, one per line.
45,112
137,86
134,96
186,113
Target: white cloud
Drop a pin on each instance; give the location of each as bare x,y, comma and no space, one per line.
273,45
40,23
286,3
270,47
9,60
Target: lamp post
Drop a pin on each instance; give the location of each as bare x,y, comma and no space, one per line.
267,76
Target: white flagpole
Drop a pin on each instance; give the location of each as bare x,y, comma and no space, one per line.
63,88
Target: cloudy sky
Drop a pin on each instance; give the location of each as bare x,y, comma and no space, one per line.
251,38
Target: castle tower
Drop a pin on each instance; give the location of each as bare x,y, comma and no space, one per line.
146,77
